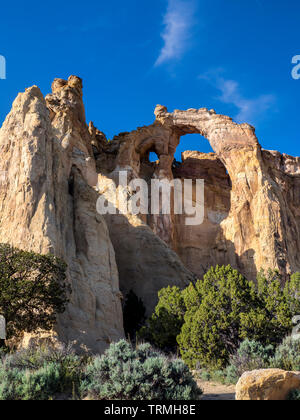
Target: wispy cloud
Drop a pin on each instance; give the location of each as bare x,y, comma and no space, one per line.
178,21
250,110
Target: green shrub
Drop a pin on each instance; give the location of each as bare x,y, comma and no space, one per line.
126,373
133,314
16,384
205,375
278,305
215,326
209,320
218,376
3,353
251,355
10,380
294,395
36,357
232,377
292,292
287,355
33,290
37,373
165,324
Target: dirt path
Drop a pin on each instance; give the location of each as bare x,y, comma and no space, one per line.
215,392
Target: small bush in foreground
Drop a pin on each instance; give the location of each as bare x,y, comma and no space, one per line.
294,395
126,373
16,384
251,355
39,373
287,355
218,376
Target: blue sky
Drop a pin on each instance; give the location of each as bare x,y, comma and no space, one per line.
231,55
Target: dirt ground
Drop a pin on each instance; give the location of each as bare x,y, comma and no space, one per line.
216,392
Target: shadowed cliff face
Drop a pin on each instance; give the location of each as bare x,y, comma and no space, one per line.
201,247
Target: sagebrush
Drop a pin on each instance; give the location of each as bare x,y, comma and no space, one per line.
40,373
127,373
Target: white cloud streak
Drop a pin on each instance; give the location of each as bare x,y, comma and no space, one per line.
249,110
178,21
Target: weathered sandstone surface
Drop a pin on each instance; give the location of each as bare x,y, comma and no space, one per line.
53,167
251,195
267,385
47,204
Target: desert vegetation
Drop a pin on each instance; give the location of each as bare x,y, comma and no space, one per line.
225,325
33,290
141,373
252,355
40,373
122,372
219,327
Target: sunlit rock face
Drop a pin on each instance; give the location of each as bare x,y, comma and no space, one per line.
47,204
50,168
251,195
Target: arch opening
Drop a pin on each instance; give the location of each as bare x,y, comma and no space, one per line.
153,157
192,142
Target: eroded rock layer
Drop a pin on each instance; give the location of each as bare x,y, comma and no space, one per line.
251,195
201,247
52,164
47,204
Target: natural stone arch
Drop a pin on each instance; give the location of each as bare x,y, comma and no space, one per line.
255,226
164,134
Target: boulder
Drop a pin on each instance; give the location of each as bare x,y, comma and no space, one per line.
267,385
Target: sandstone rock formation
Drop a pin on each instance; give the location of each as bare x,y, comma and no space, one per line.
48,200
201,247
267,385
146,264
251,195
51,167
47,204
